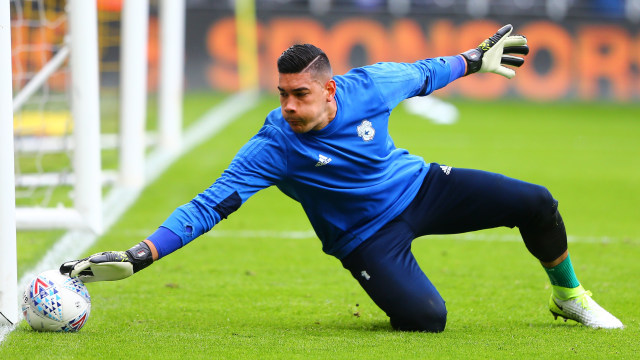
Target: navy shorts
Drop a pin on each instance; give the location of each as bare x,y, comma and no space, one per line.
450,201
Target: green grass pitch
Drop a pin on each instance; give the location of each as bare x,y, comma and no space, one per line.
258,285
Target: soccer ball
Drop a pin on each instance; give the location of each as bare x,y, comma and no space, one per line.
56,302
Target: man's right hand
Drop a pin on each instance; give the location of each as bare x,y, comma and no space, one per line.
109,265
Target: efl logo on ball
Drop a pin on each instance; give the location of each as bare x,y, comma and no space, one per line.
56,302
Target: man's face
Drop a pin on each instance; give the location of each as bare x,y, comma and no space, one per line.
305,101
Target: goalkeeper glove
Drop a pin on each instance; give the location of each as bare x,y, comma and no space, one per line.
109,265
488,56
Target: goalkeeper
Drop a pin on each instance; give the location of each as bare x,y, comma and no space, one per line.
327,146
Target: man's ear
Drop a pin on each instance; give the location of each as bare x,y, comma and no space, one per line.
330,87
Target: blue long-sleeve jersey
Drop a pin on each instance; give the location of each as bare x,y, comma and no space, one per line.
349,177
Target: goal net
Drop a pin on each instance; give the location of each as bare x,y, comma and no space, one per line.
56,114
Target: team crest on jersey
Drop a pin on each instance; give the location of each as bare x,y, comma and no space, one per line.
366,130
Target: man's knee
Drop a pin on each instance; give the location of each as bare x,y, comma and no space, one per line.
541,205
430,318
544,233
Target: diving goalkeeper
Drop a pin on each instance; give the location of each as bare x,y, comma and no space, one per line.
328,147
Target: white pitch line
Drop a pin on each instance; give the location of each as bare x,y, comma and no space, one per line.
76,242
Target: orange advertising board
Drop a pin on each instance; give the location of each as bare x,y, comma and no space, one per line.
588,62
585,61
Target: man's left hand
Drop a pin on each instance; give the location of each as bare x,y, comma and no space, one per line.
490,56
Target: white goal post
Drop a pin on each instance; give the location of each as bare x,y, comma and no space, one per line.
8,264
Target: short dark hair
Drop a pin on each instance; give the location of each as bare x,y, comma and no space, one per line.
303,57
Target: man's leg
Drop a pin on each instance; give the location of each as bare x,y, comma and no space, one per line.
387,270
460,200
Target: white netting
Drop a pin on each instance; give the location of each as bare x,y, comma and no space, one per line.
42,120
56,114
63,140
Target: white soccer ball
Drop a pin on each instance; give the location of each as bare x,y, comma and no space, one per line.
56,302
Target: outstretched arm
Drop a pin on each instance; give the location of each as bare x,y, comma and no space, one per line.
399,81
250,171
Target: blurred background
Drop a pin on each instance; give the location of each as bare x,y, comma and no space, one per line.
581,49
585,49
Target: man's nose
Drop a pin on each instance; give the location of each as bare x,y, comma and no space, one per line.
289,106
